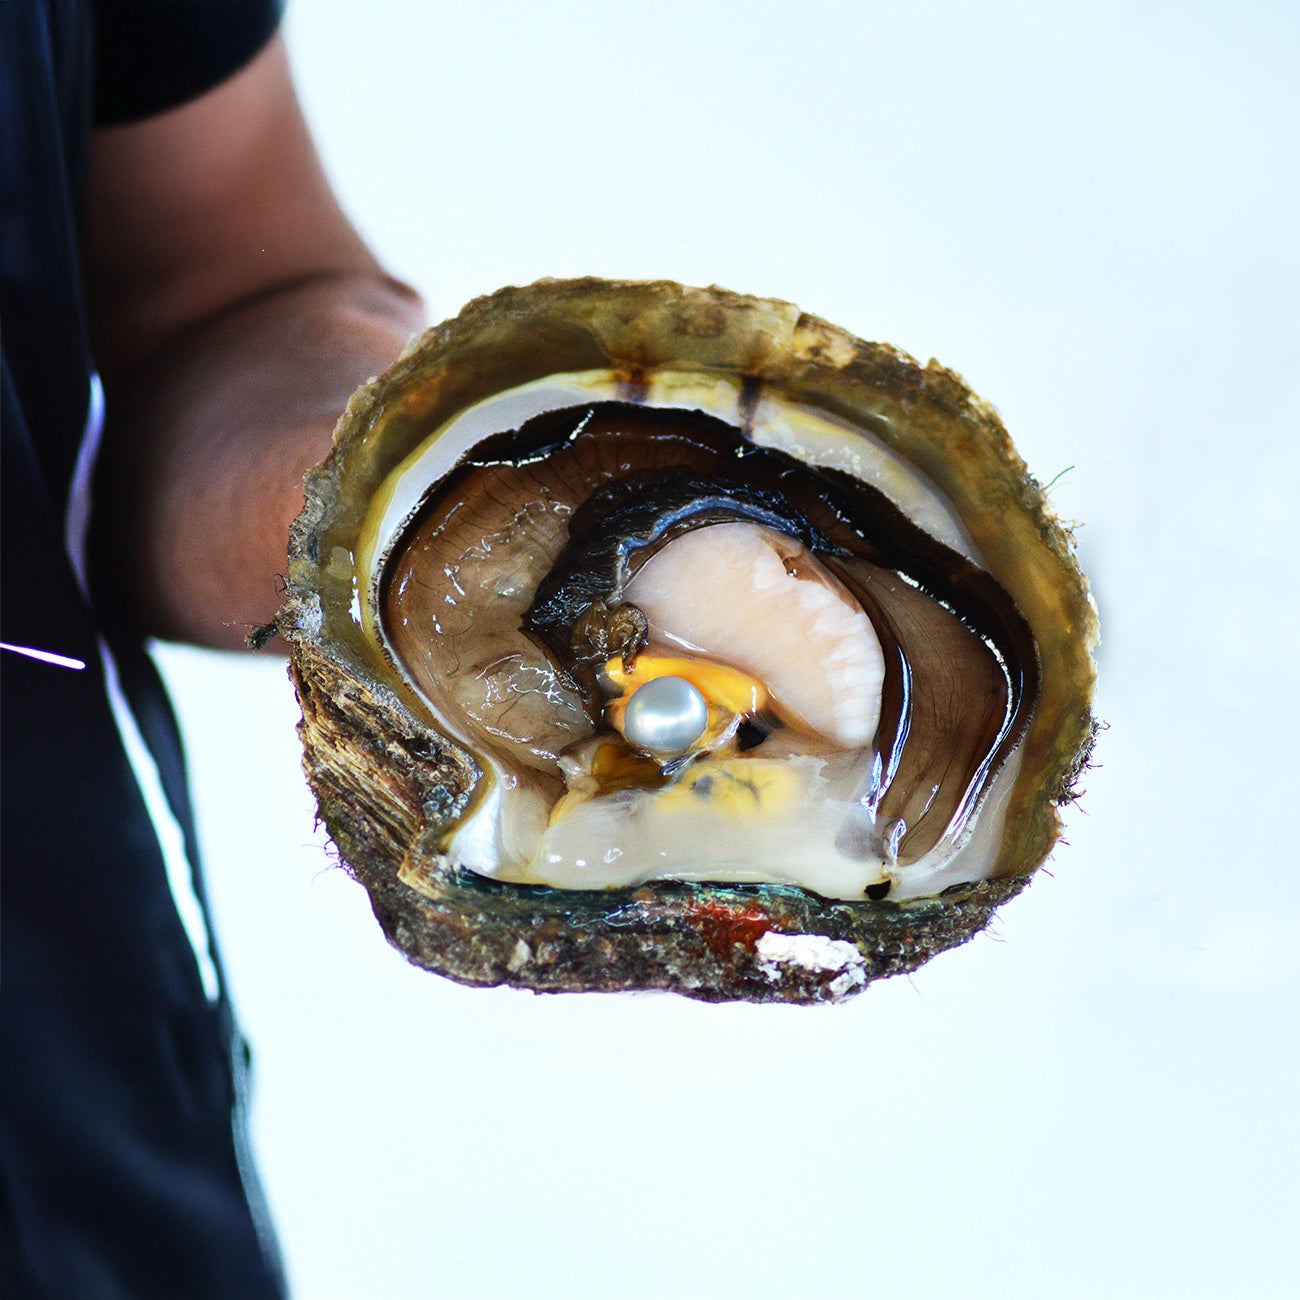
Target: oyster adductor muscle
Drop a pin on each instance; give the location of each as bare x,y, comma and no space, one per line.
653,637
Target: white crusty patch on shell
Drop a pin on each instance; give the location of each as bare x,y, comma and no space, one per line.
812,952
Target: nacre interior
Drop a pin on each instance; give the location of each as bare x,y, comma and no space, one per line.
867,679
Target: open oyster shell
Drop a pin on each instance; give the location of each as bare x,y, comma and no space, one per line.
427,797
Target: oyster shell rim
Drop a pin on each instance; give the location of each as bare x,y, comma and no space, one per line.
386,802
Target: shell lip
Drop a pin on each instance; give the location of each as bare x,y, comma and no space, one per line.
609,905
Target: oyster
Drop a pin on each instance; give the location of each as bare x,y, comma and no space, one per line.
654,637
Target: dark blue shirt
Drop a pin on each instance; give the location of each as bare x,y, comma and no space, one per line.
123,1161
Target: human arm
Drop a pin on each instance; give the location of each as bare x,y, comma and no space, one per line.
233,310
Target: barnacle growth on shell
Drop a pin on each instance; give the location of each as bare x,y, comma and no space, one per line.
651,637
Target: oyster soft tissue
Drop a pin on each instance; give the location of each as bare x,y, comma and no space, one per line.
656,637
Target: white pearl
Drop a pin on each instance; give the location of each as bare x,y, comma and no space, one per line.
666,716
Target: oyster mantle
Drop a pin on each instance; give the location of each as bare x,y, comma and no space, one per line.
392,784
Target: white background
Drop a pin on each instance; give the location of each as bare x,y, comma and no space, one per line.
1089,211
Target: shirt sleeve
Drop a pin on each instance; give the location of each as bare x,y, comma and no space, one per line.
152,55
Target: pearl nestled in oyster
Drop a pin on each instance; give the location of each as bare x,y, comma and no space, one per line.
652,637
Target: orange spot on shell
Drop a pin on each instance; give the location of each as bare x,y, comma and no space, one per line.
723,927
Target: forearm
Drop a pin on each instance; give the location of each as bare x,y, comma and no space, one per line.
207,443
233,309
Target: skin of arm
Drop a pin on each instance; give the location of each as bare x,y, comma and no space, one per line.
233,311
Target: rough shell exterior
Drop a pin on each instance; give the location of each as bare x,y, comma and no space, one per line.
388,783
